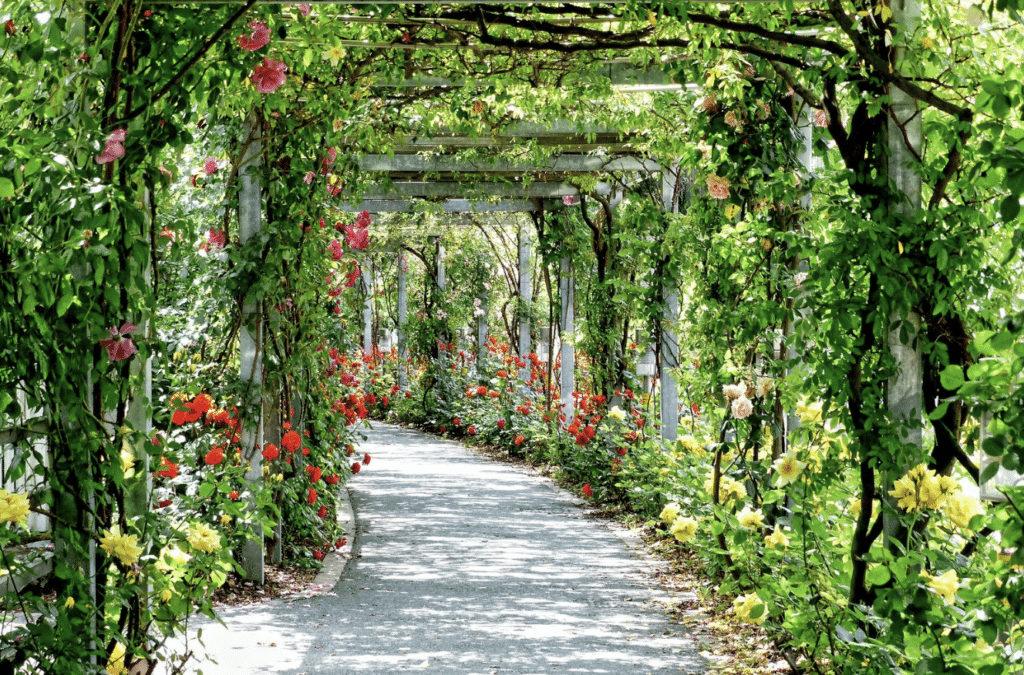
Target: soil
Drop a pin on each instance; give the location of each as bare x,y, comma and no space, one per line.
281,580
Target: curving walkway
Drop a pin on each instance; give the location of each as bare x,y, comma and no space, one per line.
462,565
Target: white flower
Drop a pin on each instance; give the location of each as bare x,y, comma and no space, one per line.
478,312
799,278
742,407
764,385
476,302
617,413
734,390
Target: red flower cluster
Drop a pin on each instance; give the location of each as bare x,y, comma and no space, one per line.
366,459
587,491
336,250
501,424
355,467
311,497
169,469
332,479
215,456
314,473
291,441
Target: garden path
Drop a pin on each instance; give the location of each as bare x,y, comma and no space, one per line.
463,565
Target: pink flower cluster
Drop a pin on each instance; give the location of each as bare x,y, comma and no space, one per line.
353,276
119,347
269,76
358,235
258,39
335,249
718,187
113,148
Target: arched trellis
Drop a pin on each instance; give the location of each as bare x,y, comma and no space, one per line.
905,391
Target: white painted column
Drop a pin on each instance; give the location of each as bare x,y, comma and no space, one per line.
567,291
367,311
669,345
525,295
250,207
138,414
906,389
442,282
403,309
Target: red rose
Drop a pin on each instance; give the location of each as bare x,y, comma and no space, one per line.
355,467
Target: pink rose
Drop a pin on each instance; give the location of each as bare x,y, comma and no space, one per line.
742,407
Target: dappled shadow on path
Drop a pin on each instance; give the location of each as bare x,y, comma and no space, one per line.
464,566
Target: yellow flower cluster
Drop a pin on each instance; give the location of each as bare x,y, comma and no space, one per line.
13,507
124,547
115,664
750,519
777,539
202,537
691,445
172,559
921,488
729,489
745,604
669,513
684,528
945,585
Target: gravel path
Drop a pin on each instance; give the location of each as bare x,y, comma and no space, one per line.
463,565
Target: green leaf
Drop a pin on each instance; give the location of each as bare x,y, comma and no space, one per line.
879,576
64,303
952,377
989,473
206,490
1009,208
939,411
1001,341
6,188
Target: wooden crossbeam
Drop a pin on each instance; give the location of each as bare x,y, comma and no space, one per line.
567,163
448,206
457,189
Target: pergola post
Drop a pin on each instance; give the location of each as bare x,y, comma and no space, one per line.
367,311
481,333
669,343
792,419
525,294
250,335
403,309
567,382
905,388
